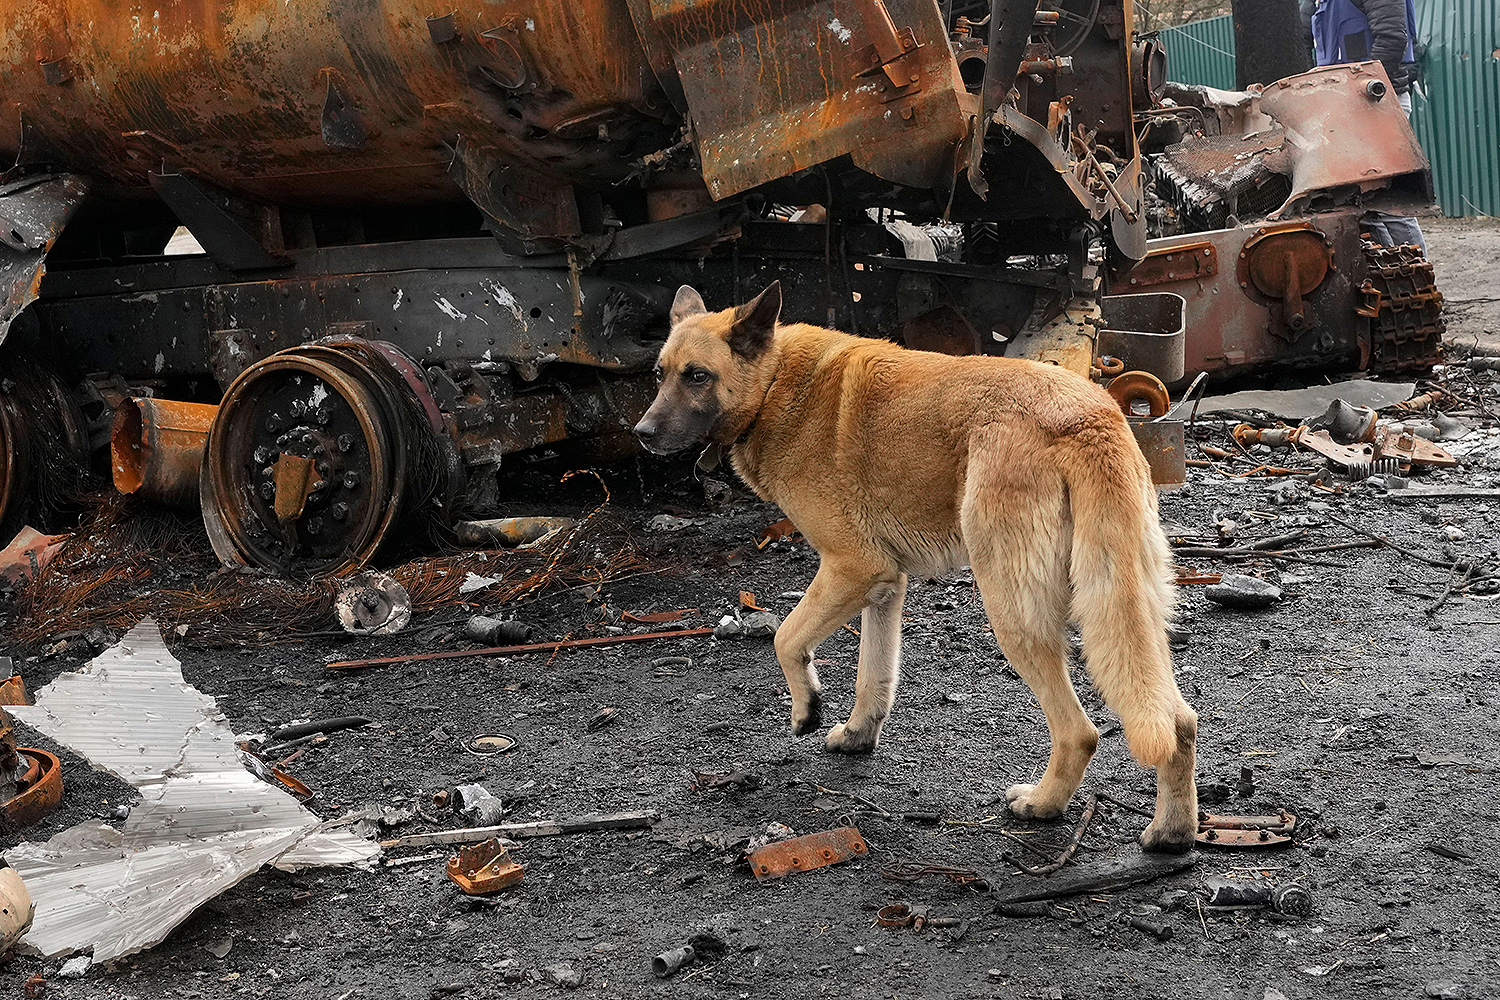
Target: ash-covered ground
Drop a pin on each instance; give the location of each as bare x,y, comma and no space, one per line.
1363,702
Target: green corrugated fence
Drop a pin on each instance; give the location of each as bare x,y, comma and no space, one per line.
1456,107
1201,52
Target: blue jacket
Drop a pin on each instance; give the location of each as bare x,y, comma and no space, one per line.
1355,30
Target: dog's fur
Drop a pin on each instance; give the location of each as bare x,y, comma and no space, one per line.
894,462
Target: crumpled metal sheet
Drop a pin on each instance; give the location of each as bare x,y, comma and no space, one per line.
33,212
1296,404
203,823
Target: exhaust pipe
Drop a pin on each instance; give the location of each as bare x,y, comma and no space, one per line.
156,448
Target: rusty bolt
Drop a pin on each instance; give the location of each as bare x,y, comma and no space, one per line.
318,449
346,441
274,423
261,455
298,407
323,416
1265,835
339,511
323,469
268,471
351,479
267,491
1211,835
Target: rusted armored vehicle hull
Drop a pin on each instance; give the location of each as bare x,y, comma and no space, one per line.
423,243
1263,200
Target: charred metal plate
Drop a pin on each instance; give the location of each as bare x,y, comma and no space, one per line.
33,212
1178,263
1247,831
803,854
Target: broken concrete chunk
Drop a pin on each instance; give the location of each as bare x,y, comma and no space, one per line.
755,625
75,968
668,522
1244,593
565,974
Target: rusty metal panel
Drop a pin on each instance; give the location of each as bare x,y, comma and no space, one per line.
1176,263
779,86
1361,139
1230,327
805,853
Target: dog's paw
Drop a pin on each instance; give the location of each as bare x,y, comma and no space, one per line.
808,717
1161,839
842,739
1024,802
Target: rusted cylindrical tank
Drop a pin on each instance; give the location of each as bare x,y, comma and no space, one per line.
323,101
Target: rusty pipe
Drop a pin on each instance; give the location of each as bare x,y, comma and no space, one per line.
156,448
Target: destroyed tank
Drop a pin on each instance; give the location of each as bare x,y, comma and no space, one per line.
394,248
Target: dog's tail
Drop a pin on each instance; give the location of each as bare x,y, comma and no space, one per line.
1122,589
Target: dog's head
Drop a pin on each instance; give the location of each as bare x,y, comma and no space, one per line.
712,373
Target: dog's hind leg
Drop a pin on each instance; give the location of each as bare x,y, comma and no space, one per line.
840,588
1018,533
879,670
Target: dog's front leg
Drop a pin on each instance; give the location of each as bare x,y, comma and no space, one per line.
840,588
879,670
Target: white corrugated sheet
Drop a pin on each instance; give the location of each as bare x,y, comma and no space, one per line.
203,824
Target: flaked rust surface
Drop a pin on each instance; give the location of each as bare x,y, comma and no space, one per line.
326,101
806,853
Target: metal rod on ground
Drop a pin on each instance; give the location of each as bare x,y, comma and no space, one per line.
1071,849
534,647
540,828
1126,805
1105,877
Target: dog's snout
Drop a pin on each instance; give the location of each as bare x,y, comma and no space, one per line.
645,431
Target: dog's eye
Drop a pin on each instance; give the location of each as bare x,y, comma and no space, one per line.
696,376
660,375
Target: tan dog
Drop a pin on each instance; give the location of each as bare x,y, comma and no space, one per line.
893,462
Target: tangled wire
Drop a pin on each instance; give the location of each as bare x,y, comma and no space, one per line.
126,561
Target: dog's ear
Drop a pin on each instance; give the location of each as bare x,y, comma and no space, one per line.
755,323
688,303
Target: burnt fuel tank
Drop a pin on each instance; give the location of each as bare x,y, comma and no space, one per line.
325,102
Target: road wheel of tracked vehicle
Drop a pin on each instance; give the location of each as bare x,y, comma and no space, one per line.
316,455
43,450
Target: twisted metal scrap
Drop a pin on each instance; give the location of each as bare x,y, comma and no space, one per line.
110,573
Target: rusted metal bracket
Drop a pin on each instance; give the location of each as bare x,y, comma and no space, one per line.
483,868
218,222
1247,831
803,854
892,52
1192,260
